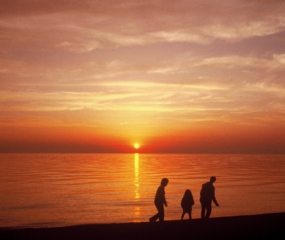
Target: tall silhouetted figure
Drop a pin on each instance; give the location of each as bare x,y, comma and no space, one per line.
160,201
186,203
207,195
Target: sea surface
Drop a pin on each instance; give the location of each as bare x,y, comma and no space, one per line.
48,190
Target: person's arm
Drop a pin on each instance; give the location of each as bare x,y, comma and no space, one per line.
164,199
192,201
214,199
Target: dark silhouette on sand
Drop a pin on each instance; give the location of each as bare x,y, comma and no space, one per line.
186,203
207,195
160,201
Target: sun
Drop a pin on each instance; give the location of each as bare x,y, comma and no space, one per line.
136,145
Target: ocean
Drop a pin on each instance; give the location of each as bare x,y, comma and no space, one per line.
50,190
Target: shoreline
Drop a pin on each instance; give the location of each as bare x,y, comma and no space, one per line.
261,226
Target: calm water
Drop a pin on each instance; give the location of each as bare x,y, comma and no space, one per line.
39,190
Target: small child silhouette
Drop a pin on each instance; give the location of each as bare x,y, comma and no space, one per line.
186,203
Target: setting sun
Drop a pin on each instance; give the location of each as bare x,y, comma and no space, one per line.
136,145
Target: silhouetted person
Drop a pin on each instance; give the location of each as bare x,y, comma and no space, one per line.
207,195
186,203
160,201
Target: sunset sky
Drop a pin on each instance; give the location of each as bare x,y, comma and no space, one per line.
203,76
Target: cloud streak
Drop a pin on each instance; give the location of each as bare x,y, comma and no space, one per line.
90,25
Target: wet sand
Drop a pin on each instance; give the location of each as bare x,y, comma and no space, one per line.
264,226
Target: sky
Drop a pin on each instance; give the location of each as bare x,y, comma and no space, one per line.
183,76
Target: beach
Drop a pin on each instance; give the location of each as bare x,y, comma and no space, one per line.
263,226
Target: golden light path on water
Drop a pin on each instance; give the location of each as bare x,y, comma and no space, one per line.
137,173
136,182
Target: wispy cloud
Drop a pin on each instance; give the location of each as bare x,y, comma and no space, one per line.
88,25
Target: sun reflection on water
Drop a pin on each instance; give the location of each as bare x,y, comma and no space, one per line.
137,211
137,173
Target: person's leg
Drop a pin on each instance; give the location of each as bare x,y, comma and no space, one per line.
209,210
159,215
161,212
154,217
182,216
203,208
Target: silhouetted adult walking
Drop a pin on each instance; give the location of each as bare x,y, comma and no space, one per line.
207,195
160,201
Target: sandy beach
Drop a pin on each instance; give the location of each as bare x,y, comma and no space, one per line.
264,226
